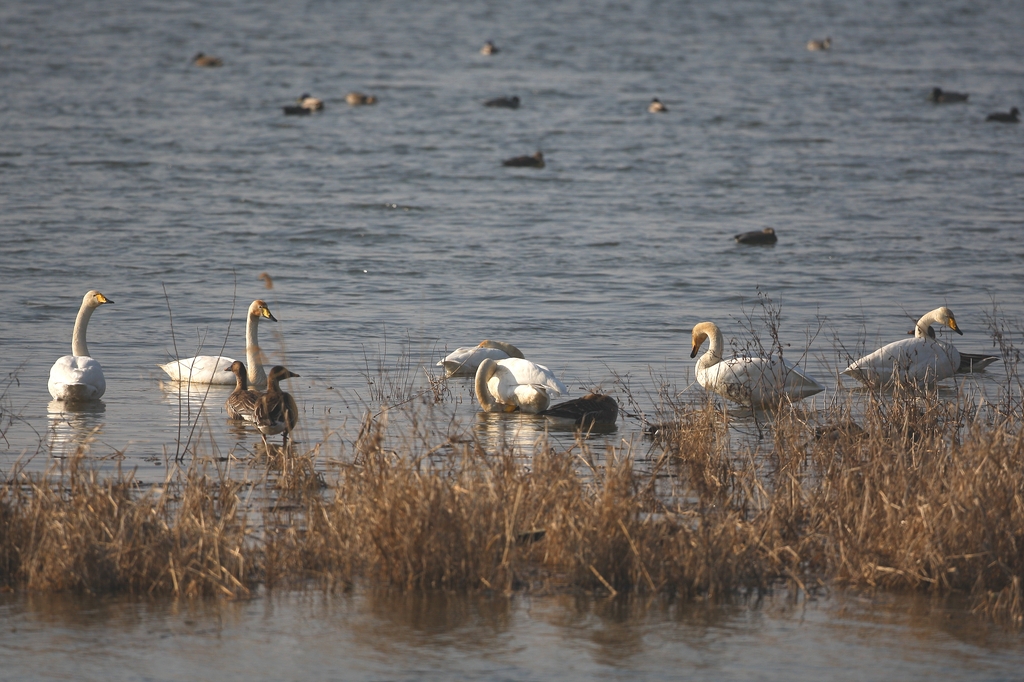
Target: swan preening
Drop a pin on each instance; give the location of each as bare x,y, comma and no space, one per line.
920,360
78,377
242,402
213,369
463,362
276,411
515,384
755,382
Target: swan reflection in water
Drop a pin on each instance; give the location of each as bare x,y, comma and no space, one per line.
74,425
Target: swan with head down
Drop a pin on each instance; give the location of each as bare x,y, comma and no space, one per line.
754,382
78,377
463,362
215,369
514,384
920,360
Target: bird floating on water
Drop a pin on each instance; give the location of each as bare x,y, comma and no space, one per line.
1013,116
819,45
276,411
535,160
357,99
920,360
306,105
765,236
489,48
656,107
750,381
940,96
515,384
79,377
207,60
242,401
463,362
503,102
210,369
592,411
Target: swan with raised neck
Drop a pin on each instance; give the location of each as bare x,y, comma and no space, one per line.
79,377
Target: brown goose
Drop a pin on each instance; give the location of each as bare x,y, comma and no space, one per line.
242,401
591,411
765,236
207,60
532,161
276,411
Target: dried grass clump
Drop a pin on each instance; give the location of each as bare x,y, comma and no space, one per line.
72,531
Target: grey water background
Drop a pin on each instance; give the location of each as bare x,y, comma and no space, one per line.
392,232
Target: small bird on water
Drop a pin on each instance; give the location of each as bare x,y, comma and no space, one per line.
940,96
489,48
357,99
1003,117
656,107
819,45
765,236
503,102
535,160
207,60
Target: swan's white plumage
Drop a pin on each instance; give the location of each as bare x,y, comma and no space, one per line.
215,369
463,362
756,382
920,360
79,377
514,383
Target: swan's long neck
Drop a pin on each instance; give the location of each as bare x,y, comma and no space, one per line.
926,321
713,355
253,356
483,394
78,344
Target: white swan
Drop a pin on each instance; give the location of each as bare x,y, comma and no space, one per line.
515,384
79,377
216,369
755,382
463,362
919,360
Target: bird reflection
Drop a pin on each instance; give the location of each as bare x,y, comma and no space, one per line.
190,398
73,425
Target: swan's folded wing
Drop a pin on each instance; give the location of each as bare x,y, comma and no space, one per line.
201,369
76,377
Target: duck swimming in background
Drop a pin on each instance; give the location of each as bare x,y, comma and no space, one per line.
242,401
920,360
819,45
489,48
78,377
939,96
306,104
463,362
765,236
515,384
1003,117
656,107
754,382
357,99
535,160
206,60
276,411
503,102
212,369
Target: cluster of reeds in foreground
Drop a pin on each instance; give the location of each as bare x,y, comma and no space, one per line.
918,494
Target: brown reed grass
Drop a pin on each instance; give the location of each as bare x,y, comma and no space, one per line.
919,493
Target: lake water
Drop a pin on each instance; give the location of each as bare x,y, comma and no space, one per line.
392,232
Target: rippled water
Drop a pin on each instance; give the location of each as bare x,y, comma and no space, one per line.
428,637
392,232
